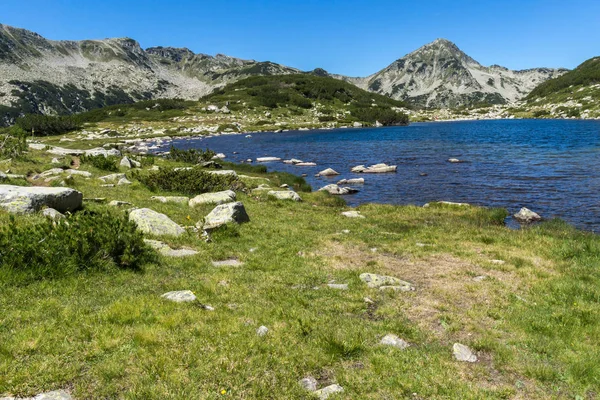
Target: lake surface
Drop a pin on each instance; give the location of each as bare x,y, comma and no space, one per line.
549,166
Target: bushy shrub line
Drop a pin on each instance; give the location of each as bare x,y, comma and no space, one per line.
191,156
190,182
101,162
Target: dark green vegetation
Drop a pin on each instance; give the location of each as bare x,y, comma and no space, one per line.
301,91
85,241
588,73
13,143
187,181
192,156
101,162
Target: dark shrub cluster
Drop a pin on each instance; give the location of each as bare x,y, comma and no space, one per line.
13,143
84,241
101,162
191,156
190,182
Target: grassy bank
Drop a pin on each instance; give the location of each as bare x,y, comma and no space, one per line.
526,301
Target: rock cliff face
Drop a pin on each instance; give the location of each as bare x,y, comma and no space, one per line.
440,75
59,77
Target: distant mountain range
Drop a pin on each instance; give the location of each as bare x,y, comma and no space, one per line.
59,77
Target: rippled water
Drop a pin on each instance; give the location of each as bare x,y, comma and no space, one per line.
549,166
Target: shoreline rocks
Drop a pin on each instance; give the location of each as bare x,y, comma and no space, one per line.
328,172
374,169
527,216
337,190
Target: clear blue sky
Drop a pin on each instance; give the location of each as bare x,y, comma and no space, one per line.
351,37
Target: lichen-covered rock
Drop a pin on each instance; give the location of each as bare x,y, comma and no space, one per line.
171,199
284,195
52,214
167,251
225,196
180,296
324,393
375,281
225,214
54,395
154,223
22,199
527,216
463,353
394,341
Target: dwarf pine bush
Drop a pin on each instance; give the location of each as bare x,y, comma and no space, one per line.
191,181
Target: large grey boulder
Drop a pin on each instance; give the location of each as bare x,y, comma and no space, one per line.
23,199
152,222
225,214
284,195
525,215
337,190
225,196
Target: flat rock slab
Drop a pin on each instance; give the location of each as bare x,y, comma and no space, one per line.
376,281
353,181
394,341
228,263
223,197
284,195
338,190
338,286
180,296
267,159
352,214
326,392
112,178
54,395
223,172
171,199
224,214
23,199
167,251
463,353
152,222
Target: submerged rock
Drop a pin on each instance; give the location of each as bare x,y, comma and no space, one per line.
154,223
525,215
24,199
224,214
225,196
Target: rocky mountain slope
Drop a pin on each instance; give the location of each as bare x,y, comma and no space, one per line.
59,77
440,75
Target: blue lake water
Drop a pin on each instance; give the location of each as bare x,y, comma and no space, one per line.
549,166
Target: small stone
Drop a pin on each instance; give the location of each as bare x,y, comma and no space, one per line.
118,203
479,278
338,286
463,353
123,181
180,296
368,300
345,231
381,281
208,307
454,160
52,214
328,391
397,288
498,262
352,214
262,331
228,263
395,341
309,383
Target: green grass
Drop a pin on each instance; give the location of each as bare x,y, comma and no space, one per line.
535,320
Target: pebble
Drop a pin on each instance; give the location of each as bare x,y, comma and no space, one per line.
394,341
338,286
180,296
262,330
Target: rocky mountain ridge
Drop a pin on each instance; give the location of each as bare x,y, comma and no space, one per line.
59,77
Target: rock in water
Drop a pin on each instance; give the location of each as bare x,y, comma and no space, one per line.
377,281
180,296
284,195
463,353
213,198
394,341
328,172
328,391
171,199
267,159
527,216
224,214
353,181
154,223
336,190
22,199
309,383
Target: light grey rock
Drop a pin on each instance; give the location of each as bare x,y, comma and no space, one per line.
85,174
261,187
126,163
306,164
338,286
284,195
37,146
54,395
225,196
52,214
337,190
480,278
394,341
357,125
398,288
167,251
463,353
292,161
59,151
180,296
123,182
112,178
326,392
525,215
103,152
498,262
358,168
454,160
228,263
171,199
352,214
154,223
328,172
376,281
118,203
379,169
267,159
309,383
22,199
222,172
353,181
224,214
262,331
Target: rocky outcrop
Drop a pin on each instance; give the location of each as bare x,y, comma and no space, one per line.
24,199
224,214
154,223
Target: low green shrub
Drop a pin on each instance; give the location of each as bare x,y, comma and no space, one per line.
190,182
192,156
84,241
13,143
46,125
101,162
